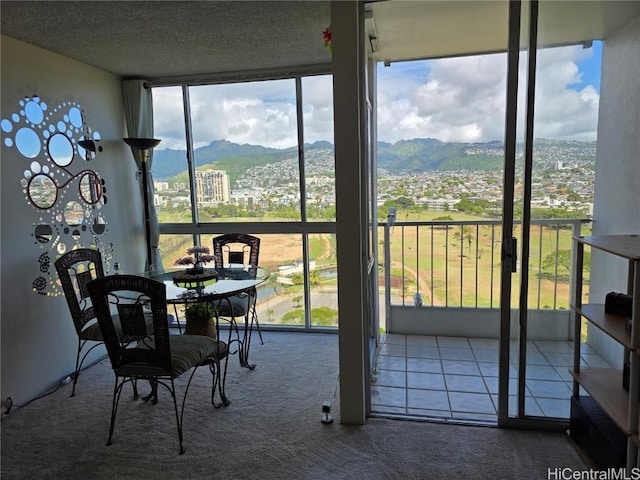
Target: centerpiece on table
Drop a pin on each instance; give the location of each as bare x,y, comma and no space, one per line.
196,276
196,256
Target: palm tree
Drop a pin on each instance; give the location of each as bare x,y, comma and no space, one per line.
272,282
464,234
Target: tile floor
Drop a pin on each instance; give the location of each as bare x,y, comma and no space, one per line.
456,378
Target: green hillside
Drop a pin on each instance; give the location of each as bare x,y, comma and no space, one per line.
416,155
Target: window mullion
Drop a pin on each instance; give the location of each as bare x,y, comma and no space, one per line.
302,176
303,202
190,160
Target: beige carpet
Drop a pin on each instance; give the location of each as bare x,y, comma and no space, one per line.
271,430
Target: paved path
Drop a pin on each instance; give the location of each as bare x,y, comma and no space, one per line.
423,286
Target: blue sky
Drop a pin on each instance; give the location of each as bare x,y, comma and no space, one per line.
590,68
457,99
463,99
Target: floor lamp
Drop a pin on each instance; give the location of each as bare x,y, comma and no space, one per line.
144,146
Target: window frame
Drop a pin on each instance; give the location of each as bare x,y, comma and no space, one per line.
199,230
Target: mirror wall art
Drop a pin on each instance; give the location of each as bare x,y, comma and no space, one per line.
67,194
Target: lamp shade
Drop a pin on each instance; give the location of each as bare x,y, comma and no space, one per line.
142,143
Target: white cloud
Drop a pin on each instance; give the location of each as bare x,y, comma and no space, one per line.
463,99
563,112
455,99
260,113
317,107
168,117
459,99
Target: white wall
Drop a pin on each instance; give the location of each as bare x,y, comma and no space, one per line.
617,184
38,342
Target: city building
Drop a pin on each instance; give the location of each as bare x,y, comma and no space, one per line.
212,186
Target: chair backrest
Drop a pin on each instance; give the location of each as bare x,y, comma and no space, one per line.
75,270
238,248
125,301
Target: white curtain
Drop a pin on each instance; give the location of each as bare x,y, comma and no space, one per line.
138,108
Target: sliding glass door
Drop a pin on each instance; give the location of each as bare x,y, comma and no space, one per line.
549,153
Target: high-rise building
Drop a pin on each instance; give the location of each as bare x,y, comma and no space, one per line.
212,186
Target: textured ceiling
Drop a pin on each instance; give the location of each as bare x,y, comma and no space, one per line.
441,28
174,38
162,40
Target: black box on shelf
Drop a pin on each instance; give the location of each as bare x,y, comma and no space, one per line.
618,303
596,434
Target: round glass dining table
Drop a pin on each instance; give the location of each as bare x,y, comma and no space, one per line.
215,286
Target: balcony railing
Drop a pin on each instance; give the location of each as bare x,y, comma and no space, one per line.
443,278
457,263
453,267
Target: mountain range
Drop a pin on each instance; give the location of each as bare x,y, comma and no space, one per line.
415,155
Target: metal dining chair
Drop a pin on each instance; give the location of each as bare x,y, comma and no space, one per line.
156,355
239,249
76,269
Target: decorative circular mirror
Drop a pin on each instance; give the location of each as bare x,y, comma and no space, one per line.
42,191
6,125
60,149
75,117
34,112
73,213
90,187
28,142
43,233
99,225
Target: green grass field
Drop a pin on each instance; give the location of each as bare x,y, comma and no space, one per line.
455,266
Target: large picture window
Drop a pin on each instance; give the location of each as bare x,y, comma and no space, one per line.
255,157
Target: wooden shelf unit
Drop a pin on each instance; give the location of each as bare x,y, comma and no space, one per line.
604,385
612,325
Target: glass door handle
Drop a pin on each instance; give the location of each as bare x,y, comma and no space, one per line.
510,255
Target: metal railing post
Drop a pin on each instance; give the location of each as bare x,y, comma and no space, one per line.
391,218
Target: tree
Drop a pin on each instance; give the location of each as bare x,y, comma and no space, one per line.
563,261
272,282
464,234
574,196
400,203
